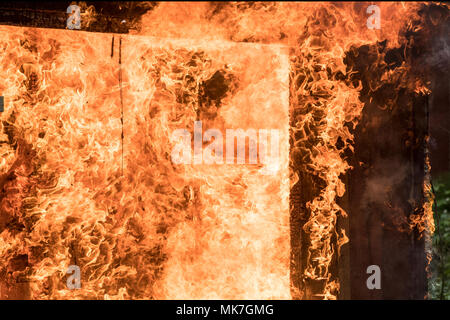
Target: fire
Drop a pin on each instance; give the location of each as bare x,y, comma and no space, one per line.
86,169
159,230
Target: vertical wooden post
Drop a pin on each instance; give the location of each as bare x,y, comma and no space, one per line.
386,190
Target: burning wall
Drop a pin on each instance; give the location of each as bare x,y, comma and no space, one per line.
151,229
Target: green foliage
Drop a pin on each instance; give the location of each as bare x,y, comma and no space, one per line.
440,265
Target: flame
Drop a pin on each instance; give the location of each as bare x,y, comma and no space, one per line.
423,222
158,230
81,189
326,107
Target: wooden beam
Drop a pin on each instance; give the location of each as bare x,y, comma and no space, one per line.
110,17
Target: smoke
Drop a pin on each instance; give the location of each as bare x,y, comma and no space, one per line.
379,187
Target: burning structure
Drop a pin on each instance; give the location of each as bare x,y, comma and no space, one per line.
86,177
